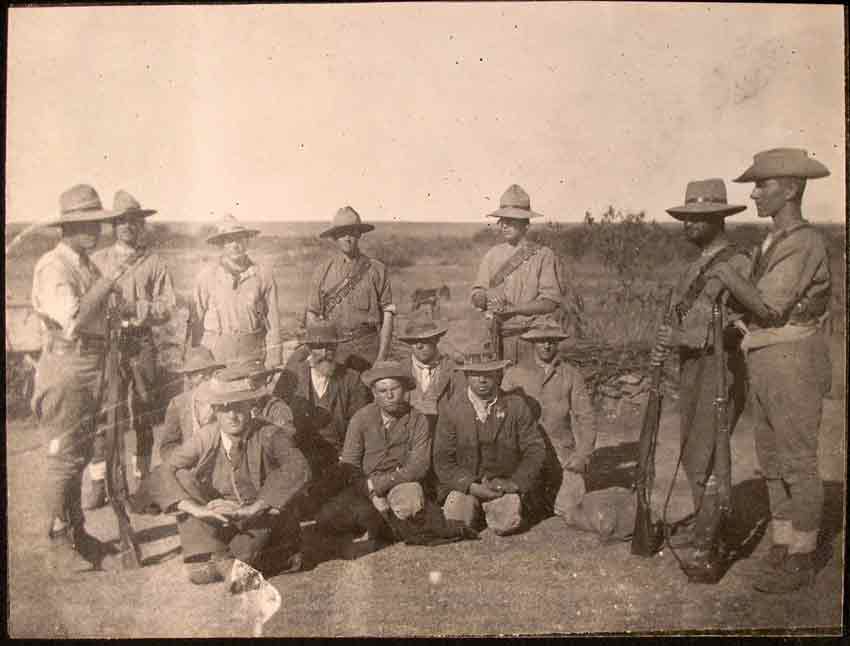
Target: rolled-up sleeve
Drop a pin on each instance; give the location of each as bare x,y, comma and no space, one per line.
549,284
55,296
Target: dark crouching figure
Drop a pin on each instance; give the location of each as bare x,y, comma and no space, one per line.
232,483
488,451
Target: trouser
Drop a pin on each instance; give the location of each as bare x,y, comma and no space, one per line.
352,512
139,402
64,402
236,348
697,392
788,382
360,353
503,515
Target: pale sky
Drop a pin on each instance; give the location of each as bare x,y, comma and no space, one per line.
421,112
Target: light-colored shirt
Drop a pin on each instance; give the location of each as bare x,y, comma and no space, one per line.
424,373
60,279
482,408
249,306
365,304
149,285
319,382
538,277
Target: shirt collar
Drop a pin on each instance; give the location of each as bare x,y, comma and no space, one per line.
69,254
482,408
423,366
387,420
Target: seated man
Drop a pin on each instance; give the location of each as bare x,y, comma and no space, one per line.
323,395
430,369
488,450
233,482
564,408
187,412
386,456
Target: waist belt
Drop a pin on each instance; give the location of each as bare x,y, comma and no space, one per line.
236,333
365,329
83,344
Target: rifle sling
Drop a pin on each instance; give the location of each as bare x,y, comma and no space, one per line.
520,256
332,297
698,283
762,259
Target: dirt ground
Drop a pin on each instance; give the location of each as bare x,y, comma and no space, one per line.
550,579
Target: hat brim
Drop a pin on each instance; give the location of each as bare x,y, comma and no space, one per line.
702,209
188,370
333,231
369,377
811,169
134,213
217,238
514,213
219,399
440,331
544,336
97,215
487,366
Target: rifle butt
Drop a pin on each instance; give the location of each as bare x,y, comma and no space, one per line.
647,536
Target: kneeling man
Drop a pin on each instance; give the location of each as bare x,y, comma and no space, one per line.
385,457
488,450
232,482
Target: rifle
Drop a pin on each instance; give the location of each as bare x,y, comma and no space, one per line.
116,472
648,535
717,496
495,326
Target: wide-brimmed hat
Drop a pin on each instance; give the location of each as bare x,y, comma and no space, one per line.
197,360
229,227
228,386
80,203
345,220
514,204
480,357
253,369
545,333
125,206
783,162
419,328
388,370
705,197
321,333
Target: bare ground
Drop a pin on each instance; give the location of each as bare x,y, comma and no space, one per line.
550,579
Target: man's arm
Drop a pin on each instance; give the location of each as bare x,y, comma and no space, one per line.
274,345
584,423
200,302
387,309
446,466
532,448
415,466
171,436
289,474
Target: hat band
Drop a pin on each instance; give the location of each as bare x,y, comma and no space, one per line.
219,387
516,206
91,206
705,200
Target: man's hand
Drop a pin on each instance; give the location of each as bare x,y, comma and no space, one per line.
667,336
497,304
658,356
479,299
247,512
380,503
201,512
483,492
224,507
576,463
502,485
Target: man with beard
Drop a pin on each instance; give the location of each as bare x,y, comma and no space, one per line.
236,304
70,294
232,484
353,291
786,295
188,411
488,450
386,456
518,280
690,331
146,299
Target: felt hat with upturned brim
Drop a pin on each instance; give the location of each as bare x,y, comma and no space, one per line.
783,162
80,203
125,206
545,333
388,370
480,358
229,228
198,359
225,388
346,220
421,329
514,204
705,197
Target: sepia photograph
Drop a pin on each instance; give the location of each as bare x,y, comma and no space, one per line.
425,319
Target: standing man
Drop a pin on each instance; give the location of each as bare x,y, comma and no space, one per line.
386,456
233,483
786,296
518,281
690,332
353,291
146,298
431,370
488,450
69,294
565,412
236,303
188,412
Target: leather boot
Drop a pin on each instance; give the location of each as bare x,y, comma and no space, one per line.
796,571
62,557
